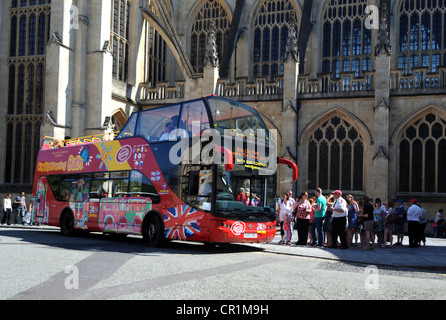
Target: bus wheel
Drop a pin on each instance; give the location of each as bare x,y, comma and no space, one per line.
67,224
153,231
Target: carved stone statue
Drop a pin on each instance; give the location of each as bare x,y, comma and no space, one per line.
211,57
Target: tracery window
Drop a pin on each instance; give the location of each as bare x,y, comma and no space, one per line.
271,26
347,43
422,37
423,155
156,51
29,34
335,157
211,10
120,35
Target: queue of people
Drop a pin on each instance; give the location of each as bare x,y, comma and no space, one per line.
337,222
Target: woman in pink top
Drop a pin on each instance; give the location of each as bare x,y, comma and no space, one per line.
302,218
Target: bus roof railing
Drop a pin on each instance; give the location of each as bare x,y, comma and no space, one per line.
53,143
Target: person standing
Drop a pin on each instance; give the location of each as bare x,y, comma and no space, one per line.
378,217
399,226
388,224
422,227
367,217
284,207
312,201
353,210
319,214
438,217
20,204
287,227
303,210
413,221
7,208
293,213
327,227
339,213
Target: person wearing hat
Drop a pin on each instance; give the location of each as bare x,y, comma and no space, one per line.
413,221
339,214
400,211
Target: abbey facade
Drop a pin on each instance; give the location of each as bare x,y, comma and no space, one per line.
356,88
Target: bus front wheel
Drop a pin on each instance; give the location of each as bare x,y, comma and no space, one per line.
153,231
67,224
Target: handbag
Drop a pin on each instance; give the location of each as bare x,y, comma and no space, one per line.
27,217
392,218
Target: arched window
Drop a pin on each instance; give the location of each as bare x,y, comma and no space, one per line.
346,42
422,37
423,155
157,54
120,35
29,33
211,10
271,26
335,157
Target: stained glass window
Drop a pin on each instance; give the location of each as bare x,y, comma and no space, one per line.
422,156
422,35
335,156
272,23
345,36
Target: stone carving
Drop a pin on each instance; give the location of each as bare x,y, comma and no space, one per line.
383,45
292,49
211,57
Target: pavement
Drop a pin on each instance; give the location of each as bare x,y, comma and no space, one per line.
429,257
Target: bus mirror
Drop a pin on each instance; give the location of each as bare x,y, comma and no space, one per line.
229,164
290,165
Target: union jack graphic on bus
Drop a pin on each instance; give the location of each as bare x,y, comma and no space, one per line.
182,222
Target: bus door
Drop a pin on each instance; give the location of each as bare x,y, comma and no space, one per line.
40,208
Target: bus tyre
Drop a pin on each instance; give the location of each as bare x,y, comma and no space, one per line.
154,231
67,224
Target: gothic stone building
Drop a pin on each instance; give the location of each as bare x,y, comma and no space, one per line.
356,88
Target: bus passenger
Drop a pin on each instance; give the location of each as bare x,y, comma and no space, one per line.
167,130
241,197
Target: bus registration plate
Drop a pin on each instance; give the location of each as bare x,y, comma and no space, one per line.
250,235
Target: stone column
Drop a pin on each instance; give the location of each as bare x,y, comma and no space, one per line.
79,103
211,64
99,77
382,92
289,104
58,89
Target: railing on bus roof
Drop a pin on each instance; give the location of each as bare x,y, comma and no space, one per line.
53,143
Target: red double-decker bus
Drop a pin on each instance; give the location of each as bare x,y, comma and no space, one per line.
201,170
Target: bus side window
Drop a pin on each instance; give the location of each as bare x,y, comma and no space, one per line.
97,189
120,188
196,186
140,186
194,117
129,128
153,123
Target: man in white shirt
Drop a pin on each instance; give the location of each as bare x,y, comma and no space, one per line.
413,221
339,214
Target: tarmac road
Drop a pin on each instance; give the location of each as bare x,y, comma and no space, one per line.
39,263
